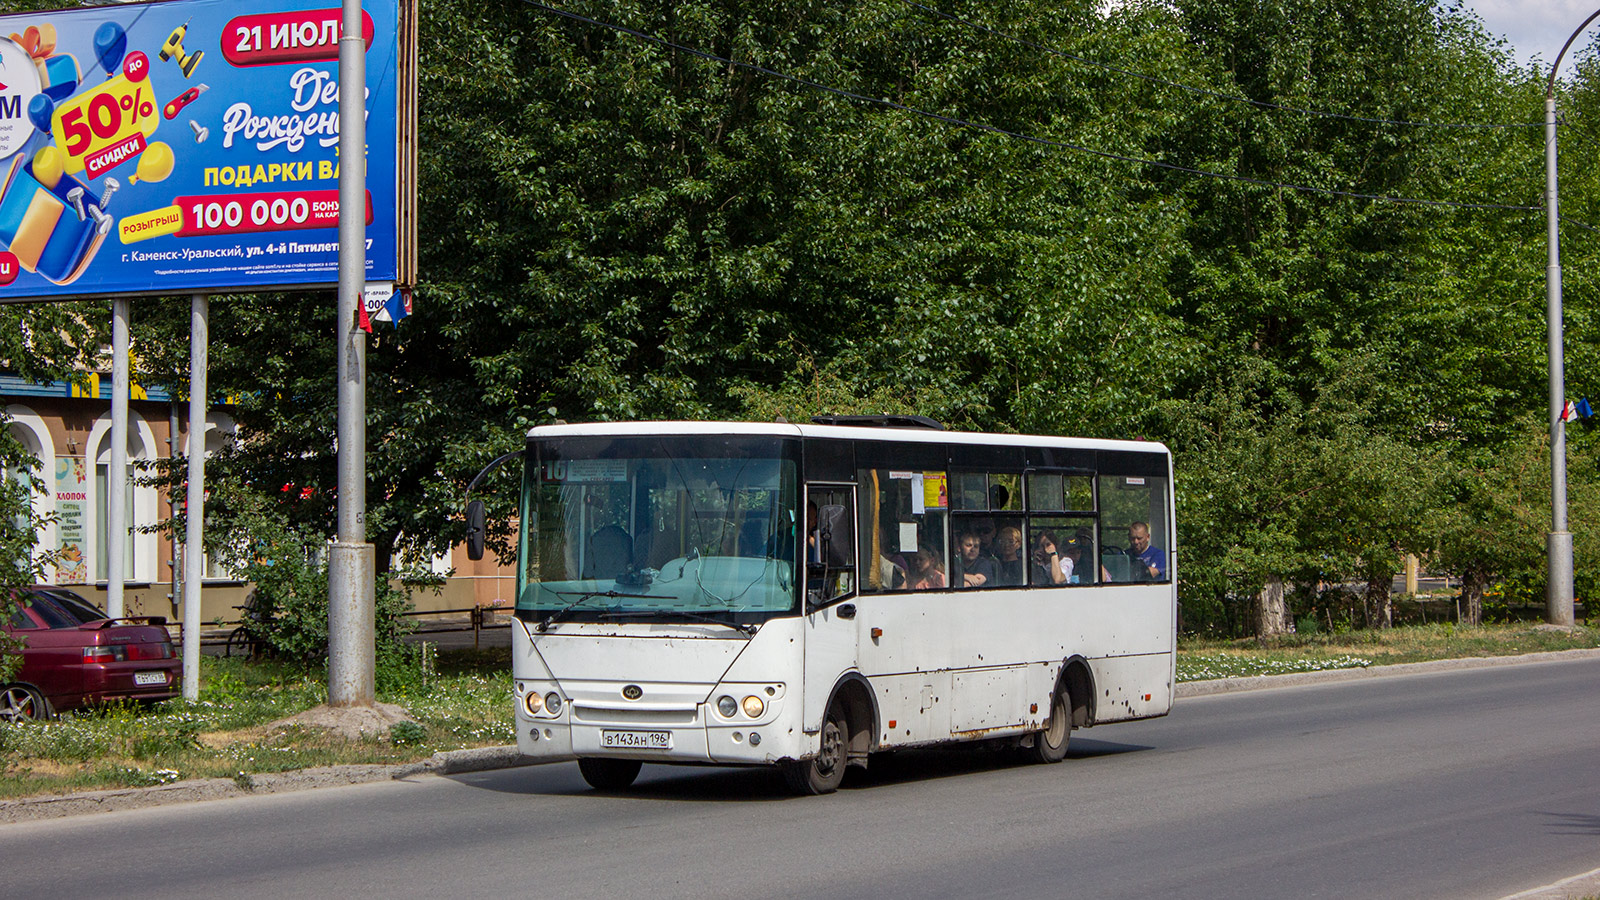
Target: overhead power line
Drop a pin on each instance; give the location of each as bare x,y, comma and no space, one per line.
1204,92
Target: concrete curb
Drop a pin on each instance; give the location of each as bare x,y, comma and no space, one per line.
454,762
1298,679
478,759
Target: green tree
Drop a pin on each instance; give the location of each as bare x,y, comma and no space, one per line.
616,228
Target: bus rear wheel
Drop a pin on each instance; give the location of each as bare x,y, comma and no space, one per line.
609,774
1050,745
823,773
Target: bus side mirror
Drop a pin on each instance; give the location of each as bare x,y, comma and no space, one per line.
475,529
838,543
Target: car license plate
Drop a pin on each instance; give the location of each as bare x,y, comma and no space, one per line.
637,740
149,678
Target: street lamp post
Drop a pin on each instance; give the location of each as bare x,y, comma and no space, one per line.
1558,590
351,562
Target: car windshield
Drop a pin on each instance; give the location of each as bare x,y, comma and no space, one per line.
660,528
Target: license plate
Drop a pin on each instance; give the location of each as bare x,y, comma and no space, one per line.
637,740
149,678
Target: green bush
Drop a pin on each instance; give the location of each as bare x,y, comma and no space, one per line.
288,564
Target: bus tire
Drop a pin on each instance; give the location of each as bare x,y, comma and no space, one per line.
823,773
1050,745
609,774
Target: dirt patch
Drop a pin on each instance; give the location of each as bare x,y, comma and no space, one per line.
351,722
221,740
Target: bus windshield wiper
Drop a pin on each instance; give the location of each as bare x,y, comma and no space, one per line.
698,617
585,597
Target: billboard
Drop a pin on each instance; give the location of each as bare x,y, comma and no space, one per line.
192,147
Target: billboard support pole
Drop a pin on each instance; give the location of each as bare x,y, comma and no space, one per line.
195,495
351,650
117,484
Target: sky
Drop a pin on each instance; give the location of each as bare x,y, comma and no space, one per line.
1538,28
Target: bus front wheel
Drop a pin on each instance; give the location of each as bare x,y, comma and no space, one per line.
1050,745
823,773
609,774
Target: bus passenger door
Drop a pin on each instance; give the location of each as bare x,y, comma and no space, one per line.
829,548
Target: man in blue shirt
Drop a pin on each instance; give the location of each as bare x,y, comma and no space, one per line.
1153,559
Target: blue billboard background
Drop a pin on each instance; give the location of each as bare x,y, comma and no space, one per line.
186,147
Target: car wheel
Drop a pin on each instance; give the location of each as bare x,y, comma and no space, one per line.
20,703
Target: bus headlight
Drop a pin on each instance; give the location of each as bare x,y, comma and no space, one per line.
534,703
753,706
727,706
552,703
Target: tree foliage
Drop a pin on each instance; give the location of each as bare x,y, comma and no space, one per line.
1192,221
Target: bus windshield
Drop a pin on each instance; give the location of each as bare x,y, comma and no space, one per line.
660,528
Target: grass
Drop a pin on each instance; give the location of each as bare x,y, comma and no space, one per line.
463,699
466,701
1200,659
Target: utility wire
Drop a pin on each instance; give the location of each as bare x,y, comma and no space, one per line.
1259,104
1065,145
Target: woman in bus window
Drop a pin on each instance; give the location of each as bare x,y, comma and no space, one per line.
1048,562
926,573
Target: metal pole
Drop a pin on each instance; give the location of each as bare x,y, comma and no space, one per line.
351,667
1558,590
117,483
195,496
1558,586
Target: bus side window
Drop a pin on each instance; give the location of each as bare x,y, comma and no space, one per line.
902,529
1135,533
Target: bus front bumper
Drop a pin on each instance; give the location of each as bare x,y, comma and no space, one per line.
684,734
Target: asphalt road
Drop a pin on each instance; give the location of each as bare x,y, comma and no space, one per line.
1463,784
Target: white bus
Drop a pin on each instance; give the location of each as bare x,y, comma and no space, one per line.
808,595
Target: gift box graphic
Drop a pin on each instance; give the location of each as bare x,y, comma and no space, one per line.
41,225
58,74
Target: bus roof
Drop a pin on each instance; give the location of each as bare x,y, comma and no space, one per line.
845,432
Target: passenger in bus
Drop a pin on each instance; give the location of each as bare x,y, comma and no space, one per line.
972,569
1010,567
925,573
813,550
1150,562
1048,561
984,529
891,575
753,540
1077,558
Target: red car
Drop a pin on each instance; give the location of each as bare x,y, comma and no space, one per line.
73,655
